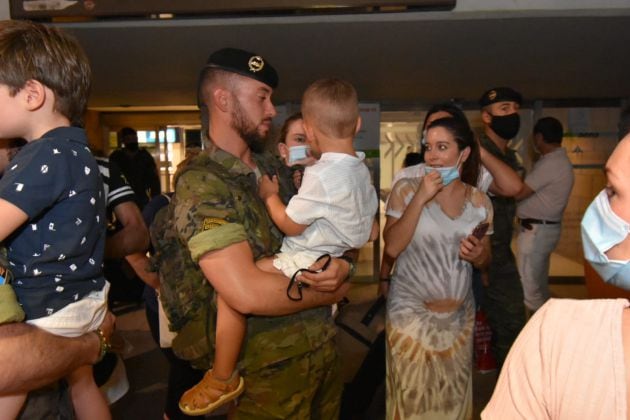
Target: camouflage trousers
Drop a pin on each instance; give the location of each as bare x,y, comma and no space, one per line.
503,303
305,387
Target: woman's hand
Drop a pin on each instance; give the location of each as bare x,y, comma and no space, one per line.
475,251
268,186
399,230
430,185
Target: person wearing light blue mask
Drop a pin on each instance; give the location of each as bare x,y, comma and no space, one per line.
430,304
495,177
297,153
606,222
447,173
293,149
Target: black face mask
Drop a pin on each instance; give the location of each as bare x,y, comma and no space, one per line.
506,126
133,147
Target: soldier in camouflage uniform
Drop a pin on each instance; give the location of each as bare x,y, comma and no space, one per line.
503,301
217,222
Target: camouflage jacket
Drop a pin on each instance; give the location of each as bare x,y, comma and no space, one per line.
215,205
504,207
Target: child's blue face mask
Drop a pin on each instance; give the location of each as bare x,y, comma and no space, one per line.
601,230
448,173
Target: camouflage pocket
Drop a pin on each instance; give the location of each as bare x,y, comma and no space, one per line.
195,340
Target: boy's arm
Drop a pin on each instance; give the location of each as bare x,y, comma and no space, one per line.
12,218
277,211
268,190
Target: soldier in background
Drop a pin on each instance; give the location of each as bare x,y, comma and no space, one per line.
503,300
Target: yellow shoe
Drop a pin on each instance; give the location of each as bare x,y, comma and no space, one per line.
211,393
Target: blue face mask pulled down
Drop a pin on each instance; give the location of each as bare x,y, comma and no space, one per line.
601,230
448,173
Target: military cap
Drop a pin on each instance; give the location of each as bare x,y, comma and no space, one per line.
244,63
500,94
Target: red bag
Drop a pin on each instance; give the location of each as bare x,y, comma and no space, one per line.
485,361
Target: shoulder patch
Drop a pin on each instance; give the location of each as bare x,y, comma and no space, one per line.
212,223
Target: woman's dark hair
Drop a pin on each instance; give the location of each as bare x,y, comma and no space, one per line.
447,107
285,127
451,109
465,138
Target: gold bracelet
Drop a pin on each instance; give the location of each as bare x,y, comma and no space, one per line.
104,344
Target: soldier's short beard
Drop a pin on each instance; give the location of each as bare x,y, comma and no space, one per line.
247,130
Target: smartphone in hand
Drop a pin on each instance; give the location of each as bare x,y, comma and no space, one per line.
480,230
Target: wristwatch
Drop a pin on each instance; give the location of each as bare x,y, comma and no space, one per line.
385,280
353,267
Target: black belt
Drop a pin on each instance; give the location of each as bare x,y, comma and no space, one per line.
527,223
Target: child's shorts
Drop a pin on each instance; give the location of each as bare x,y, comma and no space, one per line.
290,262
78,317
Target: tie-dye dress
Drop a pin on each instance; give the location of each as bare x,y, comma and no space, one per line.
429,354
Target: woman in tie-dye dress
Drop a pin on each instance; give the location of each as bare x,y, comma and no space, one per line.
430,311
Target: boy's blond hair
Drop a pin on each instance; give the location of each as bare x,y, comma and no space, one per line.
32,51
331,105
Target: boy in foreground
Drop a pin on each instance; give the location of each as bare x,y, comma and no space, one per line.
51,196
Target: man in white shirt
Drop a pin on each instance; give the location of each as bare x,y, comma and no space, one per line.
542,201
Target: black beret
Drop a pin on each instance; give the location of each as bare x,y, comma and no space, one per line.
244,63
500,94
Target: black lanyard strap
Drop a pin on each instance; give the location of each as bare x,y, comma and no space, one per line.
294,290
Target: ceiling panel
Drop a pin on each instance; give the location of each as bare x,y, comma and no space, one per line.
400,60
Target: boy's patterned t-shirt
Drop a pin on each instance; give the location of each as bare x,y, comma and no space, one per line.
56,256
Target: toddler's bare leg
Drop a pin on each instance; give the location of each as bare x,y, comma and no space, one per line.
266,265
231,328
10,406
222,383
88,402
